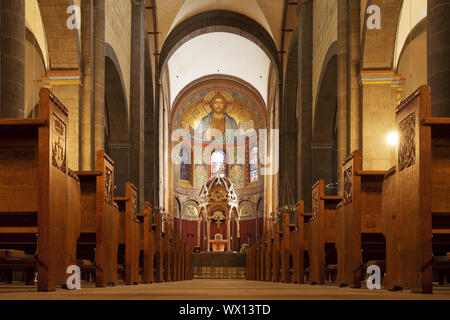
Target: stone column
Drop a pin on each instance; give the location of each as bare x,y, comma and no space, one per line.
229,235
99,75
68,92
198,232
137,97
208,232
438,56
377,117
305,55
354,60
12,45
342,70
87,95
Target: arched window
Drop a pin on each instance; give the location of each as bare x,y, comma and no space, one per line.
185,165
218,168
253,164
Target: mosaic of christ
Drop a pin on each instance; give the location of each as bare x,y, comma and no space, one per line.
217,111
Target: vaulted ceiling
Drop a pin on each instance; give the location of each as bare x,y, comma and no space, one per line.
220,52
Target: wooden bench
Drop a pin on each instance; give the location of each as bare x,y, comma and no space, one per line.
359,236
99,239
148,243
251,263
129,233
266,257
35,187
297,240
321,232
416,196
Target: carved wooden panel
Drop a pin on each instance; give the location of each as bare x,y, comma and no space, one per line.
315,203
108,186
407,146
58,143
134,206
348,185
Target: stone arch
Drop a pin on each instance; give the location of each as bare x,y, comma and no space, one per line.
63,43
117,142
324,124
219,21
378,46
177,207
412,63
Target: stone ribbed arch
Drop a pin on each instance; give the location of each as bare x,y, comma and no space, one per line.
378,46
63,43
219,21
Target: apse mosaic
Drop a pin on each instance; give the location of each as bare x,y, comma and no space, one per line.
205,114
212,111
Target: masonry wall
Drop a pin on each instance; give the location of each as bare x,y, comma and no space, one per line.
118,36
324,34
413,64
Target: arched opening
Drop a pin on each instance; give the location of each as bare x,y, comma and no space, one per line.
218,165
117,143
325,128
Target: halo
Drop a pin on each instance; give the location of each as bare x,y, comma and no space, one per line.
212,94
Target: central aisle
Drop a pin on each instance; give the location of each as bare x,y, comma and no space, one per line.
217,290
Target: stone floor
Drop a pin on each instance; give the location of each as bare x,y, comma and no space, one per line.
217,290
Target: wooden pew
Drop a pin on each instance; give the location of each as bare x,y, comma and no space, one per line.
275,250
100,220
321,233
148,243
34,192
416,222
297,243
251,263
266,259
188,264
284,239
159,250
129,233
359,236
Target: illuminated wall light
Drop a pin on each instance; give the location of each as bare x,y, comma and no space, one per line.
392,138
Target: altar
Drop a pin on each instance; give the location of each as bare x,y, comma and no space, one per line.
218,244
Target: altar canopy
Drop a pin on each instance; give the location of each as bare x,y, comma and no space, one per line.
219,204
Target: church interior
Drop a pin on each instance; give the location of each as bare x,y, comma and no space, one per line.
225,149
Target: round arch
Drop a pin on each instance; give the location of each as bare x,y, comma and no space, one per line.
219,21
116,119
378,46
288,122
324,124
64,45
177,104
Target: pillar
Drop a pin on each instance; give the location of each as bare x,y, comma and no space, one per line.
379,98
68,92
342,70
304,96
208,234
438,56
87,93
12,45
354,60
137,98
229,234
99,75
198,232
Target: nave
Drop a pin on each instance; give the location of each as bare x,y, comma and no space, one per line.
158,148
218,290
